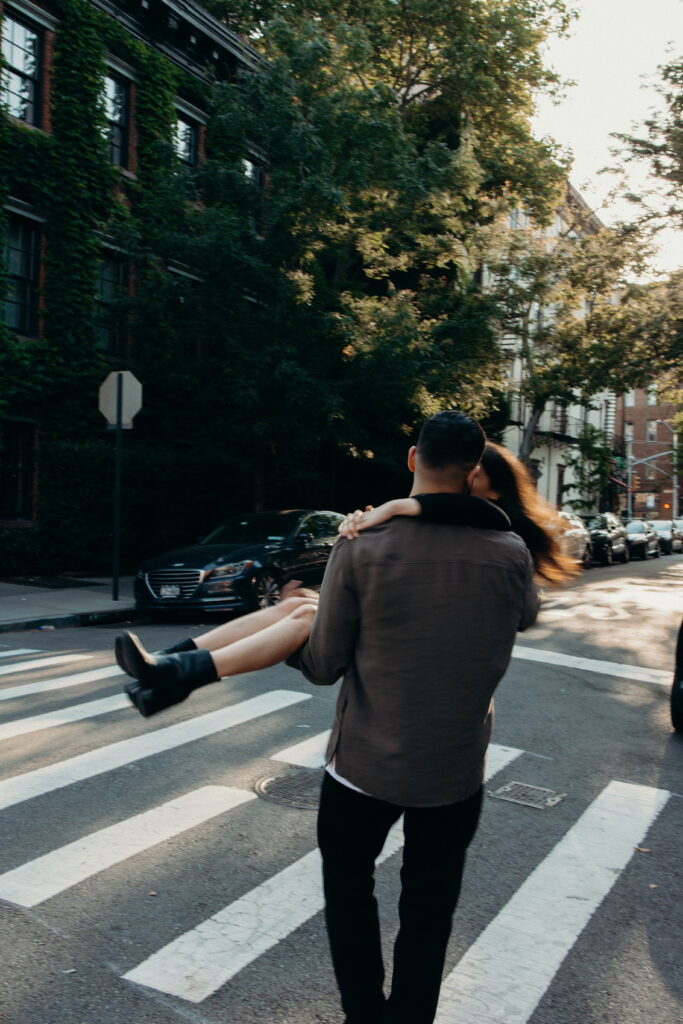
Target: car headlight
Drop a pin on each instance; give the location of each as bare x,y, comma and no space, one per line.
228,571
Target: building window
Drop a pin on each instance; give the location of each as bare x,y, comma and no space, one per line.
16,470
628,431
652,430
630,397
110,321
22,255
116,110
650,472
560,487
186,140
21,85
652,398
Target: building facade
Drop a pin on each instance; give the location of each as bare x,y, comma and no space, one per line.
95,95
645,423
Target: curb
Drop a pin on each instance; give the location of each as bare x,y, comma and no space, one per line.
74,619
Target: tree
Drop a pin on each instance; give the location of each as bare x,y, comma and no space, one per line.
578,323
591,462
661,149
342,304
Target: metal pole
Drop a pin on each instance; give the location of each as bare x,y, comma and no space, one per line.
117,490
629,477
675,481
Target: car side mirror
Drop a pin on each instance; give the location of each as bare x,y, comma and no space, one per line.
303,539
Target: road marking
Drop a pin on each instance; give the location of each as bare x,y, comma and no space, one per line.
63,716
17,651
197,963
309,753
55,659
60,682
503,976
41,879
605,668
116,755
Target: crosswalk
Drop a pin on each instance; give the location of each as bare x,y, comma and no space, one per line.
500,979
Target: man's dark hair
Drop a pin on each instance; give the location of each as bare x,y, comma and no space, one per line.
450,439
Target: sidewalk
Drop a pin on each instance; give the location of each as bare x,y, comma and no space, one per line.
47,604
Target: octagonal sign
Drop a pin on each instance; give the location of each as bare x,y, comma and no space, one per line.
131,397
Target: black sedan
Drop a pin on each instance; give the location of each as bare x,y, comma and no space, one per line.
608,537
642,539
240,566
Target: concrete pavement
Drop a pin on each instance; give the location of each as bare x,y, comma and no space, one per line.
48,604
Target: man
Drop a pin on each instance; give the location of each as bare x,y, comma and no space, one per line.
419,618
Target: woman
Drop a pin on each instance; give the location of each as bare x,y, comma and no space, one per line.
271,635
505,481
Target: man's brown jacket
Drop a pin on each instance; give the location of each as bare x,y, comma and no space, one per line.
419,618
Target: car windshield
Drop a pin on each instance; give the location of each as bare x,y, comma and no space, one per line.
635,527
597,523
661,524
260,528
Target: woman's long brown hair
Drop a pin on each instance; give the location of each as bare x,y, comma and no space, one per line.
531,516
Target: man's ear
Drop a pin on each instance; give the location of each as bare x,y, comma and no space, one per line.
470,478
411,459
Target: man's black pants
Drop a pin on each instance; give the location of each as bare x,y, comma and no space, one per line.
352,829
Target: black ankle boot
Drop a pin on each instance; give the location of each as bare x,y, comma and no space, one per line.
187,644
162,680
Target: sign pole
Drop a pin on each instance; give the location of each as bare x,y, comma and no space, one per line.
117,489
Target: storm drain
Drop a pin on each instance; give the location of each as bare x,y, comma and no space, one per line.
529,796
299,788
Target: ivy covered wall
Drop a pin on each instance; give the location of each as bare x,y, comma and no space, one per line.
66,176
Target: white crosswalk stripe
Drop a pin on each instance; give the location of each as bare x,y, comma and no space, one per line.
39,663
106,759
44,877
64,716
17,651
503,976
93,675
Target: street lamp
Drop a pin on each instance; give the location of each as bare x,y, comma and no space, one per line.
675,472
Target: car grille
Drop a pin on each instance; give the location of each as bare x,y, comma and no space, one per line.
186,579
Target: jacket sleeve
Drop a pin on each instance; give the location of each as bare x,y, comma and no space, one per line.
532,600
330,648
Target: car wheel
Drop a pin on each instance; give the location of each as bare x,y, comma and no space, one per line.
587,557
607,557
656,553
644,554
265,590
626,555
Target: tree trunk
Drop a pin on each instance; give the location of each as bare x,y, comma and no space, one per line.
529,437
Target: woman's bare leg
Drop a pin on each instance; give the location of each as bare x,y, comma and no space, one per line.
270,645
247,625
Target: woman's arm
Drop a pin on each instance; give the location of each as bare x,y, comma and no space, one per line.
356,521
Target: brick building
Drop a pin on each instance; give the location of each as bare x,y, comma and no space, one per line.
645,424
191,48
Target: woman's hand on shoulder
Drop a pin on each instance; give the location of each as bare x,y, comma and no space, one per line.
354,522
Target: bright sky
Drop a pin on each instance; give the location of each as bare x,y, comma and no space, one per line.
614,49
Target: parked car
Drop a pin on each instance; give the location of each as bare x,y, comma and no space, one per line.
576,539
670,537
642,539
241,565
608,537
679,524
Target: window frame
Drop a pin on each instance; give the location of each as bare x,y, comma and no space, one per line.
37,101
112,75
29,326
107,316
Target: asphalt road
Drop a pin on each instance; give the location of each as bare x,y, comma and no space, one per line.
208,910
